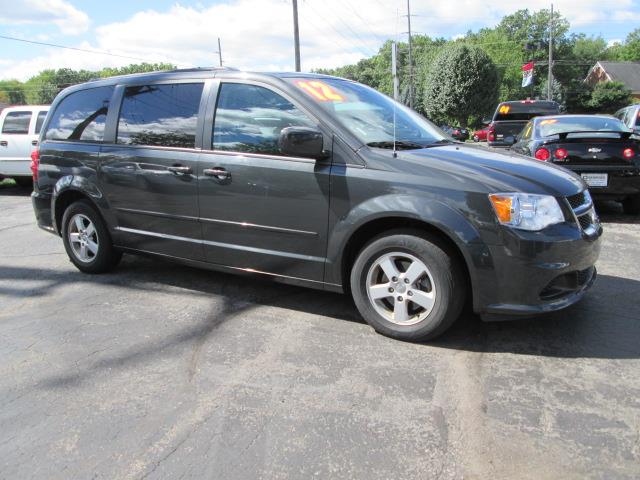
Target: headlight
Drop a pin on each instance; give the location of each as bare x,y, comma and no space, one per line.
526,211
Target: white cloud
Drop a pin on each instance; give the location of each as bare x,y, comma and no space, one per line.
257,34
65,16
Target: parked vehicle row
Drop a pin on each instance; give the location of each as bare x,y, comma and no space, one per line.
19,131
317,181
458,133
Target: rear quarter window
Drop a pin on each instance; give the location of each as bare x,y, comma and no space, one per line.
40,121
17,123
81,116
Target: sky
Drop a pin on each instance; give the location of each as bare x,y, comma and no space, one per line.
257,34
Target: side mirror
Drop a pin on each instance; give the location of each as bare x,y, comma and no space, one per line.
301,142
510,140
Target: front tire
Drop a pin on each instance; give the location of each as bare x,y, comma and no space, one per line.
631,205
87,240
407,285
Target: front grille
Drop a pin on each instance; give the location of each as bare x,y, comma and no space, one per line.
583,210
585,220
577,200
567,283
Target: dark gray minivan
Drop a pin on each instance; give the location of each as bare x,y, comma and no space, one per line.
316,181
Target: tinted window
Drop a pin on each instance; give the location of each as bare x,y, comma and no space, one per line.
40,121
249,119
160,115
525,110
16,122
81,116
526,132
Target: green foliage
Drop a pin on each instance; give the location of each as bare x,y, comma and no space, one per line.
12,92
629,51
609,97
462,82
43,87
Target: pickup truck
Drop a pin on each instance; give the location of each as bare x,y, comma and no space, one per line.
511,117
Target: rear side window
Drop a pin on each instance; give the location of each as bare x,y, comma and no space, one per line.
40,121
160,115
17,123
81,116
249,119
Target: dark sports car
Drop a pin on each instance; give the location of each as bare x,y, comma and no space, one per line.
599,148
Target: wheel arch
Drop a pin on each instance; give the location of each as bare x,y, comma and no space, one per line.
70,189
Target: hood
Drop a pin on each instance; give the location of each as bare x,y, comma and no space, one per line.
491,170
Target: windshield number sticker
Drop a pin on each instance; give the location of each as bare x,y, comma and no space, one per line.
320,91
504,109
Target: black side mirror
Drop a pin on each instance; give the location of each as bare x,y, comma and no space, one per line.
510,139
301,142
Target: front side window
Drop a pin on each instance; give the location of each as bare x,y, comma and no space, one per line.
249,119
372,117
160,115
81,116
17,123
40,121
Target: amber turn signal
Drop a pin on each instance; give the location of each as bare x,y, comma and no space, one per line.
503,206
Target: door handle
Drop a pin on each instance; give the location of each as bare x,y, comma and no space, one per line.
219,173
4,143
34,142
179,169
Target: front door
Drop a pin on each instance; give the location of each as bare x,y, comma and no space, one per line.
150,174
261,210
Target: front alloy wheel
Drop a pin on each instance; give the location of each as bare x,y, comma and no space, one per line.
401,288
408,284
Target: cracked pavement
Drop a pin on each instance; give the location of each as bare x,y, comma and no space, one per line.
163,371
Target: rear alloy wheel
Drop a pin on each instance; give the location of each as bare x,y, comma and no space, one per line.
631,205
87,240
408,286
476,138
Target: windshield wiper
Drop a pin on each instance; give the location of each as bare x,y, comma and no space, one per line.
439,143
400,145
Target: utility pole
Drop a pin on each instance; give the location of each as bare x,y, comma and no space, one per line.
219,51
410,56
394,71
296,34
550,78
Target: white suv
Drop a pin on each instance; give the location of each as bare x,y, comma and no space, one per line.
19,132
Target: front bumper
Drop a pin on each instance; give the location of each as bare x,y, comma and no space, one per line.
533,273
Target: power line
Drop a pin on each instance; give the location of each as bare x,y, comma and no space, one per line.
77,49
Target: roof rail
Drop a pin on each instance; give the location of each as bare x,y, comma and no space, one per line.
198,69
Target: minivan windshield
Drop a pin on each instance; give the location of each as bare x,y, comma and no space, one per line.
369,114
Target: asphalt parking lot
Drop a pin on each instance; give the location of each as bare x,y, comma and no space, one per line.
163,371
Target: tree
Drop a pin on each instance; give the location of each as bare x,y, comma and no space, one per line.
12,91
607,97
462,82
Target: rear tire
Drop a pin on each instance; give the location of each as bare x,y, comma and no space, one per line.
631,205
408,285
476,138
87,240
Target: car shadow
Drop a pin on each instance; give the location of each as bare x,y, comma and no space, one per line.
611,212
10,189
606,324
